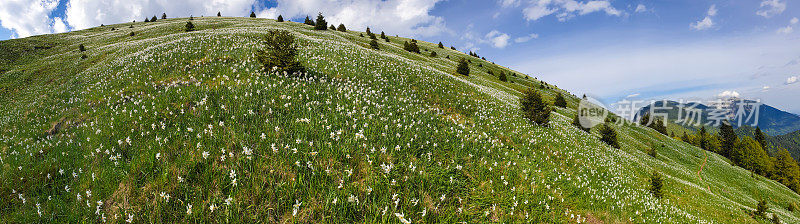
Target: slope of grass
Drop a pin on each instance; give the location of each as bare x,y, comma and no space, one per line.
169,126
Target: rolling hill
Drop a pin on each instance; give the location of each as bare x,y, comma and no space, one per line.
156,124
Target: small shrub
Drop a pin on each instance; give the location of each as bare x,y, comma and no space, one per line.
792,207
132,34
609,135
503,77
146,20
341,28
441,46
534,108
189,27
164,15
219,14
576,121
374,45
652,152
560,101
84,56
656,185
81,48
280,53
463,67
775,219
383,35
433,54
410,47
153,19
308,21
252,14
280,18
761,208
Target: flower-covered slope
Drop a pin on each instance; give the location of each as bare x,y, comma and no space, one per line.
172,126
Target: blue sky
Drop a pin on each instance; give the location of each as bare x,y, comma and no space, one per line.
612,50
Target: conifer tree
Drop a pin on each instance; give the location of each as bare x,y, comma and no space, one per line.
280,18
164,15
759,136
787,170
728,138
280,53
374,44
576,121
342,28
608,135
761,208
463,67
503,77
81,48
383,35
534,108
560,101
321,24
309,22
332,27
132,34
252,14
153,19
218,14
441,45
368,31
453,48
656,185
433,54
189,27
702,136
146,20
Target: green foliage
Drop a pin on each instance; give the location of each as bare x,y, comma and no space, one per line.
383,35
153,19
560,101
164,15
761,208
410,47
309,22
320,24
787,170
656,185
189,27
462,67
374,45
252,14
84,56
441,46
759,136
433,54
608,135
792,207
81,48
146,20
341,28
280,52
503,77
749,155
728,138
280,18
534,108
369,32
132,34
219,14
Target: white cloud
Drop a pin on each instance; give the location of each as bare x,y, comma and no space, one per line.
706,22
27,17
498,39
765,88
566,9
641,8
728,94
633,95
59,26
792,80
509,3
770,8
788,29
526,38
400,17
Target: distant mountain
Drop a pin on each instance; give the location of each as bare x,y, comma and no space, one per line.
771,120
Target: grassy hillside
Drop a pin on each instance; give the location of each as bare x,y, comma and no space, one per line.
170,126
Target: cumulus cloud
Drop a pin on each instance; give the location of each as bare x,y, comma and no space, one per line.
27,17
508,3
770,8
728,94
641,8
401,17
706,22
498,39
527,38
566,9
788,29
792,80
